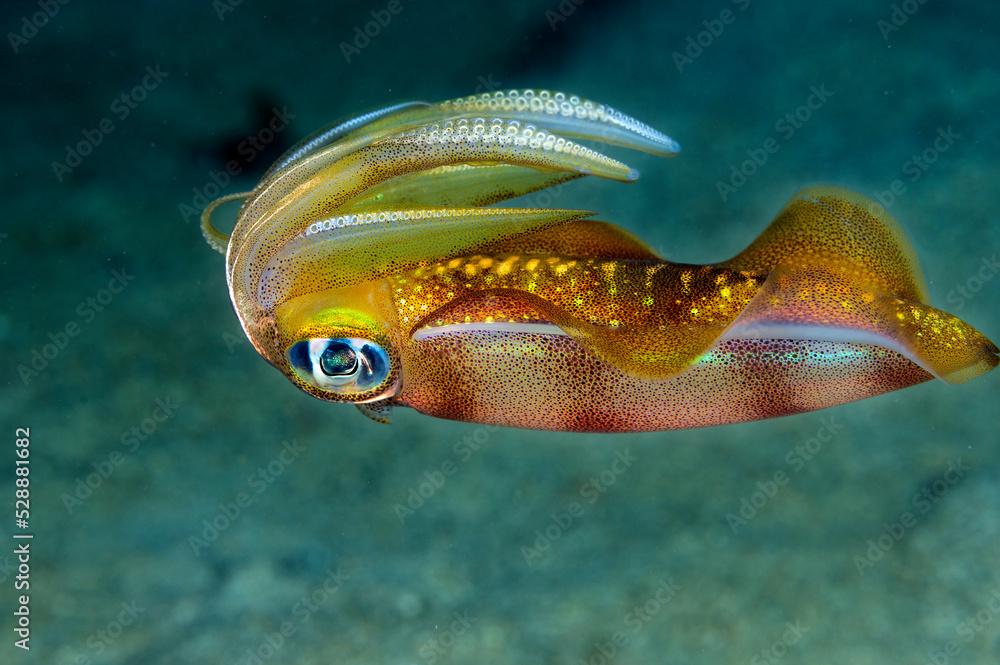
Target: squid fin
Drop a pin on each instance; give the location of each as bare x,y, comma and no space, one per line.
839,268
824,302
838,226
947,346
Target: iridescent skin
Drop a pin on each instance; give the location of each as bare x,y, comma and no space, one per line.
367,267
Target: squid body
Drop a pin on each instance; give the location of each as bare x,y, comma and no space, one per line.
370,266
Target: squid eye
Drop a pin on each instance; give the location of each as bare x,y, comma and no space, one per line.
342,365
338,359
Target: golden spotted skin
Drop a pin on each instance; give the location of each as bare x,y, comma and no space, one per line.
378,233
679,310
607,293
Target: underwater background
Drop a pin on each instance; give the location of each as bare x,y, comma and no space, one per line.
189,505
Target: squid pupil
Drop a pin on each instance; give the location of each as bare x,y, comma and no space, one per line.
338,359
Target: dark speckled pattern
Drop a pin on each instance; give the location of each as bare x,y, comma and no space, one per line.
554,545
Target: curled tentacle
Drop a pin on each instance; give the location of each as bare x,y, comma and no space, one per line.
218,240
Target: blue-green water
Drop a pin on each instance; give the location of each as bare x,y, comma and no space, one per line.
190,506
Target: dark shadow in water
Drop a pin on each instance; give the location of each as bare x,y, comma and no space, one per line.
559,25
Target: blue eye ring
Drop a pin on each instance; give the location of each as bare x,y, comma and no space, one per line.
345,366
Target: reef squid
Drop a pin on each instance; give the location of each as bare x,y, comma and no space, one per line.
371,266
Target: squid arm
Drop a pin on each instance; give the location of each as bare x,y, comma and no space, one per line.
564,115
473,153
